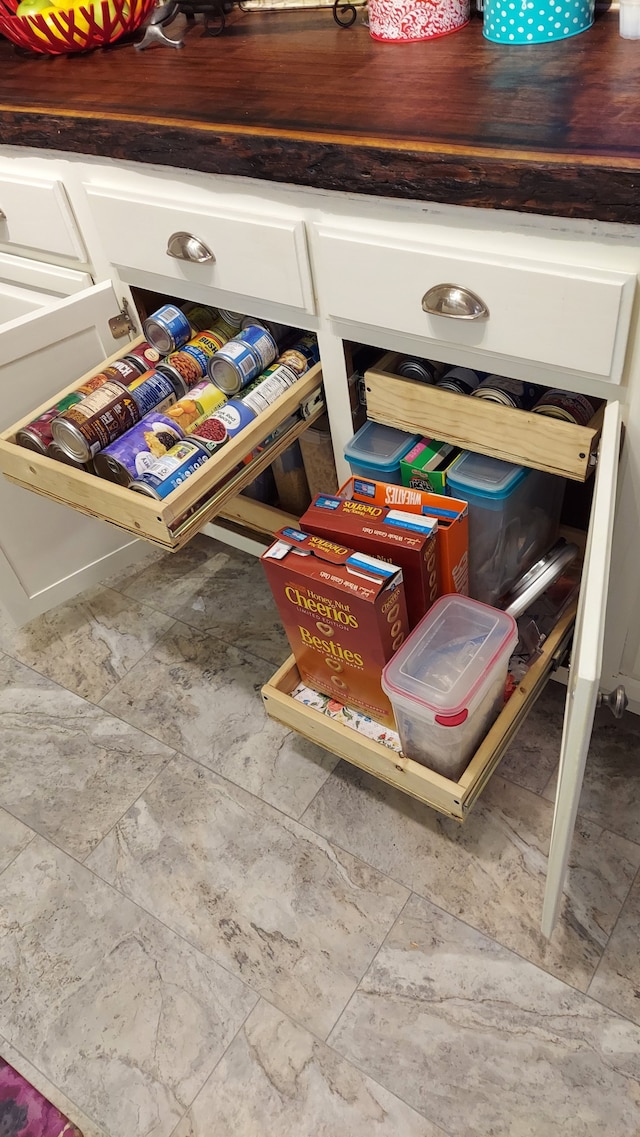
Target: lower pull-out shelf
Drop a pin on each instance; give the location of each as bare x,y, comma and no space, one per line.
452,798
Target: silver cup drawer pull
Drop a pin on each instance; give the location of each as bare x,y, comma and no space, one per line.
186,247
455,302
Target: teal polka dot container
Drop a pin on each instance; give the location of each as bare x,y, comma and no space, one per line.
535,21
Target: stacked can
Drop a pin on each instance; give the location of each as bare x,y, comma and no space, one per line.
242,359
136,451
508,392
190,362
97,420
144,357
287,369
170,471
37,435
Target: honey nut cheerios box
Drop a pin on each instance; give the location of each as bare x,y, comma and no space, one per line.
406,539
344,614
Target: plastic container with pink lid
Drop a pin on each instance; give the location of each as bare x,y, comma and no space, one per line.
446,683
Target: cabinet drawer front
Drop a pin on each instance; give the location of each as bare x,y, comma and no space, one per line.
252,254
553,316
36,214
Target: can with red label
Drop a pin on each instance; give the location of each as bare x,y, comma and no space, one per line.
567,405
99,419
144,356
37,435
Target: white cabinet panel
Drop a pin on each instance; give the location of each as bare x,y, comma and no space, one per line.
586,664
556,316
47,552
35,214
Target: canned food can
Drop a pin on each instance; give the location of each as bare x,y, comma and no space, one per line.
191,361
59,455
200,316
277,332
37,435
170,471
210,433
234,416
508,392
131,455
566,405
420,369
232,319
123,371
144,356
167,329
302,355
242,359
96,421
268,387
154,391
201,401
108,375
460,380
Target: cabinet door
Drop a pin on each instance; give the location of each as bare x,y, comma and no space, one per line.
586,665
48,553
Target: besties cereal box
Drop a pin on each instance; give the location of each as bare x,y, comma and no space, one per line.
344,614
406,539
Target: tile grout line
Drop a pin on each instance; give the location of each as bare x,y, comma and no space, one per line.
216,1064
34,833
617,920
344,1010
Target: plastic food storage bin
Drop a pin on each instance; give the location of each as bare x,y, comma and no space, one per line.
376,450
514,516
446,683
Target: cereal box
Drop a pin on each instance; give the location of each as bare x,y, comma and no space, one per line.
344,614
453,523
406,539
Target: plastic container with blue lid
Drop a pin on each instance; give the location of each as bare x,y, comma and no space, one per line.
376,450
514,517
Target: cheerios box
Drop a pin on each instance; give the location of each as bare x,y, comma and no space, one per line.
452,516
344,614
406,539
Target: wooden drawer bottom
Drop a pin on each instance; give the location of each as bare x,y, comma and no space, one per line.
452,798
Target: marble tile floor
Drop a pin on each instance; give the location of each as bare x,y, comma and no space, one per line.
210,927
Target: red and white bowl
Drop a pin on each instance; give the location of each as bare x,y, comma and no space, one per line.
409,21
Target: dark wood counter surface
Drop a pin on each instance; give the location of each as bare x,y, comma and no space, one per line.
290,97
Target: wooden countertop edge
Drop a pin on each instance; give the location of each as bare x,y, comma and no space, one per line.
522,180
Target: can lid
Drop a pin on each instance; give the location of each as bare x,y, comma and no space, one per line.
224,375
480,474
69,439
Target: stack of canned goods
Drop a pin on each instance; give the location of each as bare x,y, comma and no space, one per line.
154,416
520,394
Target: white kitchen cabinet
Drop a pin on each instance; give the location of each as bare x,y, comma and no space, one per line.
558,308
48,553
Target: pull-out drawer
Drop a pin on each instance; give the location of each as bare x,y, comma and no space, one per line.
35,213
452,798
491,307
234,253
172,522
485,427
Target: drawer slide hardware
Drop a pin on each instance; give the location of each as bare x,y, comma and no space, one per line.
615,700
455,302
122,324
186,247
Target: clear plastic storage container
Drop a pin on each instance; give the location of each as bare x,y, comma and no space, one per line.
514,516
375,452
446,683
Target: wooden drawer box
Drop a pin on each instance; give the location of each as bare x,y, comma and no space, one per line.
452,798
476,424
172,522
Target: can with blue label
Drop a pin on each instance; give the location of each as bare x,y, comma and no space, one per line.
154,391
167,329
242,359
169,472
135,452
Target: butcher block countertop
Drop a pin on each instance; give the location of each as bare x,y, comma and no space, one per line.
290,97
